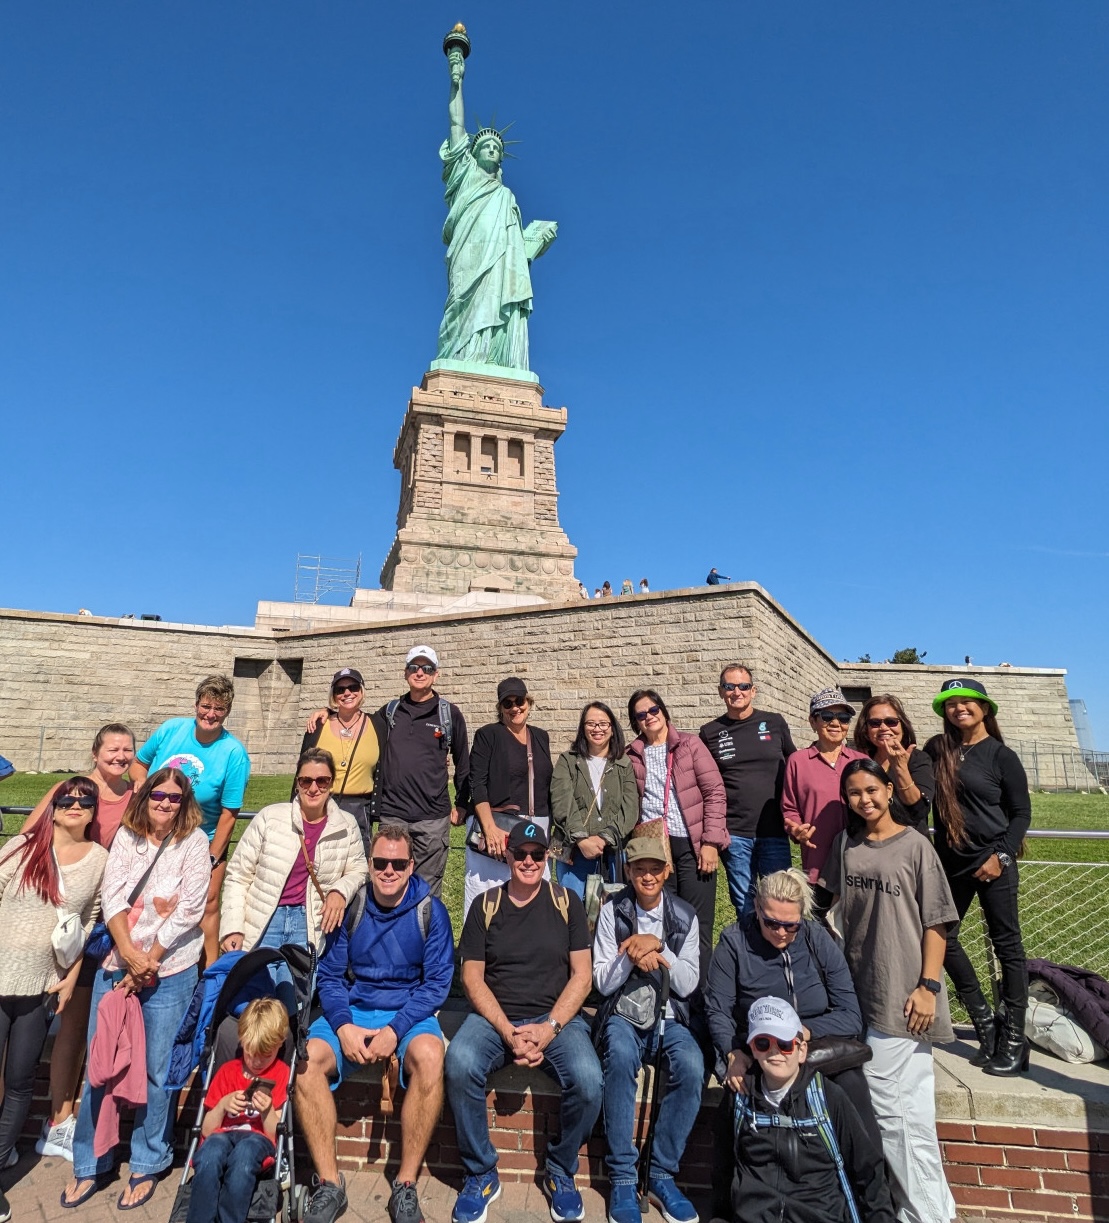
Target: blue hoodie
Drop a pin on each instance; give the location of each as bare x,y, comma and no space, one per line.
394,968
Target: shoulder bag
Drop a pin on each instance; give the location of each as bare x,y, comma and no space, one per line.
506,818
100,940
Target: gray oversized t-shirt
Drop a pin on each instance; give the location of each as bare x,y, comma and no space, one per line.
892,890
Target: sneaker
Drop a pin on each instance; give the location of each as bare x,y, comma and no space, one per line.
565,1200
472,1204
5,1209
404,1205
326,1202
623,1205
672,1204
11,1161
58,1139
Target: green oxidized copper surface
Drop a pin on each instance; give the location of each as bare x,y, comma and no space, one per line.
489,252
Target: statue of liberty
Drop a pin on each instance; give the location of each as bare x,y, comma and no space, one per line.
485,320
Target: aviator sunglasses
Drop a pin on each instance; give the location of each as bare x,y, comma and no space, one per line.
761,1044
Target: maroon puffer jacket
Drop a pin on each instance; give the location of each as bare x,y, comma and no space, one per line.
697,783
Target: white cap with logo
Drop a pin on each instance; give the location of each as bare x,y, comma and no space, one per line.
772,1017
423,651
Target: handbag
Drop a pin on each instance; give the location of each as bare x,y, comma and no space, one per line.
100,940
832,1054
506,818
68,936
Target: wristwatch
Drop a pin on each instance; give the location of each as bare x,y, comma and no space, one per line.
933,987
555,1025
1004,858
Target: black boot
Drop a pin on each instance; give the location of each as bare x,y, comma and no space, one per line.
1011,1057
986,1026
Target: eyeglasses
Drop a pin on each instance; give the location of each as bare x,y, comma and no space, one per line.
874,723
84,801
514,702
216,709
400,865
598,726
788,927
343,689
426,667
652,711
830,715
737,687
530,855
164,796
321,783
761,1044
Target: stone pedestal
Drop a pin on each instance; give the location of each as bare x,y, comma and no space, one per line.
478,502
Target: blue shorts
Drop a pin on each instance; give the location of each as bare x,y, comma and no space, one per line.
322,1030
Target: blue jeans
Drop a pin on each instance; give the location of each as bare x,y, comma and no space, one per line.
289,924
477,1051
748,858
163,1007
225,1172
623,1050
574,874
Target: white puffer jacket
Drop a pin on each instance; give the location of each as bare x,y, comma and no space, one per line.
260,866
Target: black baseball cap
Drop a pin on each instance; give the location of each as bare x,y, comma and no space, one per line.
526,832
347,673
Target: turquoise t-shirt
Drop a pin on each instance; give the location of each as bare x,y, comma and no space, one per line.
219,771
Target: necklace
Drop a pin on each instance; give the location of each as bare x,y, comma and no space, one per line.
348,733
964,748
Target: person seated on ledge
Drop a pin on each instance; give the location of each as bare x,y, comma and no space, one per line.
793,1129
642,928
526,970
381,982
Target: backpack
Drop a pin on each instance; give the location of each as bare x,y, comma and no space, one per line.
357,908
445,721
818,1120
491,901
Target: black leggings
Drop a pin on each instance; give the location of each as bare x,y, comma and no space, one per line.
699,890
999,908
23,1028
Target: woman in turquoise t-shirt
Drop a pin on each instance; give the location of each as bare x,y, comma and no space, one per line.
218,766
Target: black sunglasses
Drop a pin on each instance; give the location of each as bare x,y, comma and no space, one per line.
426,667
874,723
830,715
737,687
513,702
400,865
532,855
340,689
643,714
85,802
789,927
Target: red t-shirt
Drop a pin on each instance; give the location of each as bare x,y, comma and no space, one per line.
231,1077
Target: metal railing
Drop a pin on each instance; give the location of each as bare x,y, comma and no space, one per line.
1051,766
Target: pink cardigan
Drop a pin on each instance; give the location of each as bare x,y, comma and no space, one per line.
697,783
117,1062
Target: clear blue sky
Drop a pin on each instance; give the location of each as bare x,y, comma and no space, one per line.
829,304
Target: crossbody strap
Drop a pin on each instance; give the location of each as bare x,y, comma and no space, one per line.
137,890
308,863
531,778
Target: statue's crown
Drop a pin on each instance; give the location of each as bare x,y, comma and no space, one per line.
491,130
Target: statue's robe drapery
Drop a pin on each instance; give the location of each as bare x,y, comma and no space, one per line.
488,283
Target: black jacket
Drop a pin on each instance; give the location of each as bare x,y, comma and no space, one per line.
784,1175
489,770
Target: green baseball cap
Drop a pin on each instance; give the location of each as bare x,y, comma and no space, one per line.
971,688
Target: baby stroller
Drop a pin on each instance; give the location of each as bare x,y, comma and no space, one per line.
277,1195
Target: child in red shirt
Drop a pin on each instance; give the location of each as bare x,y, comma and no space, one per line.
242,1107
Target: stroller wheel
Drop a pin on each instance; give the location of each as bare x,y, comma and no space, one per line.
294,1209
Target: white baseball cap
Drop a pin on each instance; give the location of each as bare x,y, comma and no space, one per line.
772,1017
423,651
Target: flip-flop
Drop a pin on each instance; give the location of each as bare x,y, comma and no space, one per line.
72,1204
135,1182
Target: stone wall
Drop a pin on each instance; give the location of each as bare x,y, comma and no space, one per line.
69,674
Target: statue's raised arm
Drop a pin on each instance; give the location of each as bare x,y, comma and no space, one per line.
488,250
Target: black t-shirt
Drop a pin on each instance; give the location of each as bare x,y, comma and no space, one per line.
751,755
526,950
992,789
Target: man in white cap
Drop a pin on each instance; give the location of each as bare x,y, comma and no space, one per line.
423,731
792,1130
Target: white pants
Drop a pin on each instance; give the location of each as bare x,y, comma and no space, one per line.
902,1085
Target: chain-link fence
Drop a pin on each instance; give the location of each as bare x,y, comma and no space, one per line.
1051,766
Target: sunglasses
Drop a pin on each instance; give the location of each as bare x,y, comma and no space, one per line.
164,796
72,800
737,687
400,865
530,855
426,667
651,711
761,1044
513,702
788,927
874,723
830,715
321,783
343,689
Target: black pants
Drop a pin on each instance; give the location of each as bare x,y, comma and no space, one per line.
699,890
999,908
360,806
23,1031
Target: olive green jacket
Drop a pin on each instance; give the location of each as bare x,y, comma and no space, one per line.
575,811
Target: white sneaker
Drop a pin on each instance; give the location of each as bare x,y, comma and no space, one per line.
58,1139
